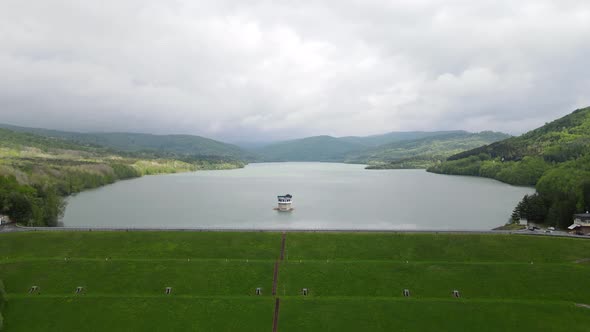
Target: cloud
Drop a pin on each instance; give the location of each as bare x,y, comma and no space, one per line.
264,69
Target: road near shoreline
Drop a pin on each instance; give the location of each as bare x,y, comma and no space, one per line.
11,228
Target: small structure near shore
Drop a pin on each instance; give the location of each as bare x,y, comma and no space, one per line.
581,224
285,203
4,220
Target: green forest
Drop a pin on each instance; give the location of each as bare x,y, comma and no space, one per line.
425,152
37,172
554,158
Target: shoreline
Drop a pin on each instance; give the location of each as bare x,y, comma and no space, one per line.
12,228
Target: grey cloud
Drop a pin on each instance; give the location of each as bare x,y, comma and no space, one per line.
271,69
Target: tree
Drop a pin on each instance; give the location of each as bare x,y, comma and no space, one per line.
537,209
561,211
586,195
52,206
515,217
38,205
531,207
20,207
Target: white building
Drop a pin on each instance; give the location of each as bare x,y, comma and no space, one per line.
4,220
581,224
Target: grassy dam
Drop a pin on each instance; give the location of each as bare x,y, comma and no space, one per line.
255,281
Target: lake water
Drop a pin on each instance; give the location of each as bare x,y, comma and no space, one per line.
325,195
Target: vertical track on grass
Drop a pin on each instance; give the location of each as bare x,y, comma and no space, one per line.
275,321
275,280
283,246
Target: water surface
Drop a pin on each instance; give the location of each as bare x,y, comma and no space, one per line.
325,195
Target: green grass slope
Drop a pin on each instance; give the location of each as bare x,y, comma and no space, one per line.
555,158
414,315
2,302
85,313
355,281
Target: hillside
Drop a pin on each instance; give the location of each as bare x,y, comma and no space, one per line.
393,150
317,148
395,136
36,172
185,145
424,152
555,158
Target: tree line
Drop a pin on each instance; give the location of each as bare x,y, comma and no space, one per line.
42,203
563,189
39,199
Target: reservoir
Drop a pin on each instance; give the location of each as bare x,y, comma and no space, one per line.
325,196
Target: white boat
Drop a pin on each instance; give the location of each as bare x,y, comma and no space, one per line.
285,203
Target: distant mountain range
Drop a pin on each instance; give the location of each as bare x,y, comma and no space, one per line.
412,149
392,150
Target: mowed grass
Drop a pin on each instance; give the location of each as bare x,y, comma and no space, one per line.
441,247
412,315
507,282
120,277
147,245
123,314
436,280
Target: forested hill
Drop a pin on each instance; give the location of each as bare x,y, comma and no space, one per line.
36,172
392,150
187,145
555,158
424,152
396,136
317,148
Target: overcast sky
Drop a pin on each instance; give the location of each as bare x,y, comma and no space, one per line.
276,69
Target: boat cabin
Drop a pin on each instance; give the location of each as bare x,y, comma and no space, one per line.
285,202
